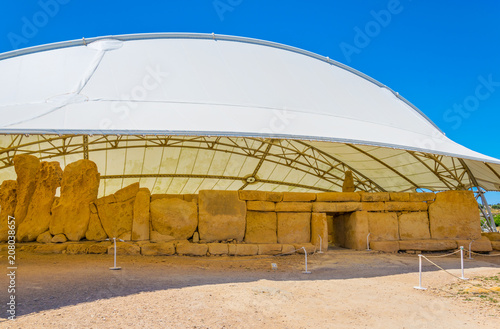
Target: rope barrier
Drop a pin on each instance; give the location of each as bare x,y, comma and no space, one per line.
475,253
444,255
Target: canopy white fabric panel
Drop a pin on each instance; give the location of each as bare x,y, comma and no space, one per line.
184,112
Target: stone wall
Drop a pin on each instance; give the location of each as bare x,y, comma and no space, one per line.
229,222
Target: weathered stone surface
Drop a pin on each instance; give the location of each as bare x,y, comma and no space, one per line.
78,248
261,206
99,248
348,185
222,216
105,200
336,206
287,249
26,167
127,192
385,246
127,236
216,249
480,245
427,245
249,195
338,196
59,238
269,249
38,215
261,227
191,249
492,236
298,196
116,218
140,222
383,226
166,196
373,206
196,237
50,248
243,249
495,245
7,206
45,237
310,248
293,207
158,237
158,249
95,231
294,227
406,206
79,188
174,217
373,197
356,229
399,197
414,226
454,215
319,228
422,196
190,198
124,248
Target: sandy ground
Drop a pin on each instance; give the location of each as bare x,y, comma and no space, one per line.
346,289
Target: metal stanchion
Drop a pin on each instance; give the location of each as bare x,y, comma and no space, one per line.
305,253
420,274
368,241
462,262
320,244
115,267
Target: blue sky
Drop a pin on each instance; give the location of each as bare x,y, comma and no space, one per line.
434,53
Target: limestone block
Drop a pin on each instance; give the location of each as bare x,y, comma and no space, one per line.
95,231
116,218
294,227
338,196
336,206
298,196
293,207
373,206
99,248
59,238
158,249
105,200
274,196
372,197
310,248
287,249
127,192
196,237
7,206
414,226
495,245
124,248
190,198
492,236
356,229
78,248
50,248
174,217
260,206
319,228
249,195
427,245
38,216
140,222
45,237
79,188
191,249
385,246
455,215
427,196
243,249
26,167
406,206
348,185
126,236
215,249
383,226
261,227
157,237
400,197
483,244
270,249
222,216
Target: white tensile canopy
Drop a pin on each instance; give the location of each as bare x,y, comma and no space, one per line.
185,112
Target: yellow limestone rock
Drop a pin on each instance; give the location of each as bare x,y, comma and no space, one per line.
383,226
174,217
319,228
414,226
261,227
26,167
348,185
294,227
140,224
7,206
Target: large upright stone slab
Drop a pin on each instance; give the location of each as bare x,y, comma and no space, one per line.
319,231
261,227
95,231
38,215
383,226
140,224
26,167
7,206
356,229
348,185
454,215
174,217
79,188
116,217
294,227
221,216
414,226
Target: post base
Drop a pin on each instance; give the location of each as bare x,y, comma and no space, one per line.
420,288
306,272
115,268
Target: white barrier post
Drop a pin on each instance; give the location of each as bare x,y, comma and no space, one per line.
368,242
305,253
420,274
470,249
114,267
462,262
320,244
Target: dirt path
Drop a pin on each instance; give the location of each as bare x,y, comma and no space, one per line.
346,289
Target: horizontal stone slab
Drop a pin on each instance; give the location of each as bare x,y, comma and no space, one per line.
158,249
50,248
270,249
492,236
243,249
124,248
261,206
260,196
372,197
427,196
406,206
297,196
191,249
217,249
373,206
399,197
293,206
338,196
336,206
428,245
310,248
385,246
481,245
